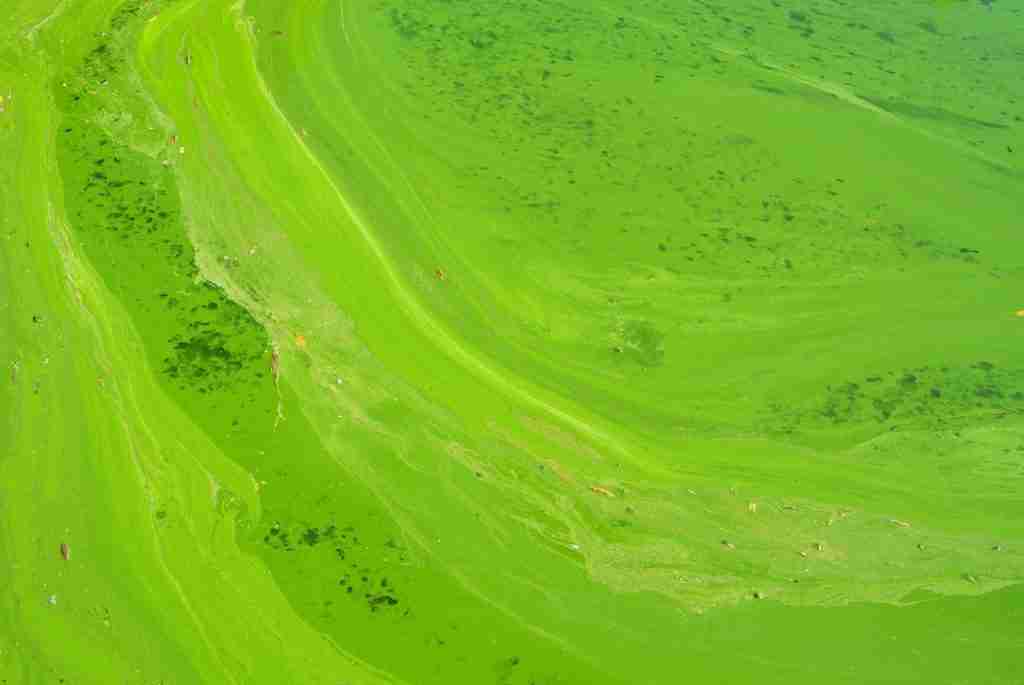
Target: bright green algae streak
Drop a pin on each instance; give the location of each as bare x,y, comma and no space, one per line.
721,381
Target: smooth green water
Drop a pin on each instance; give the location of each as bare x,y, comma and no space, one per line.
425,341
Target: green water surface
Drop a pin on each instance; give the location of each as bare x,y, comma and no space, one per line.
525,343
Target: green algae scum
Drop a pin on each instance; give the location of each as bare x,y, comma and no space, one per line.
555,342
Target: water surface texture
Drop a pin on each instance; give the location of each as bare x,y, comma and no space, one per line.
543,342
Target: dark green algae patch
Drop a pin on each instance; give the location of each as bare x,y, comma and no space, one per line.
125,212
926,397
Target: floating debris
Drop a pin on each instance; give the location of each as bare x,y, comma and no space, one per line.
602,491
752,507
65,551
832,519
901,524
52,600
275,364
440,274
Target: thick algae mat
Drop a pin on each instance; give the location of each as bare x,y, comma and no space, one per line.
415,341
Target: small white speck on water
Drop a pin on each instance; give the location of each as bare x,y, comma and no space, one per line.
52,600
